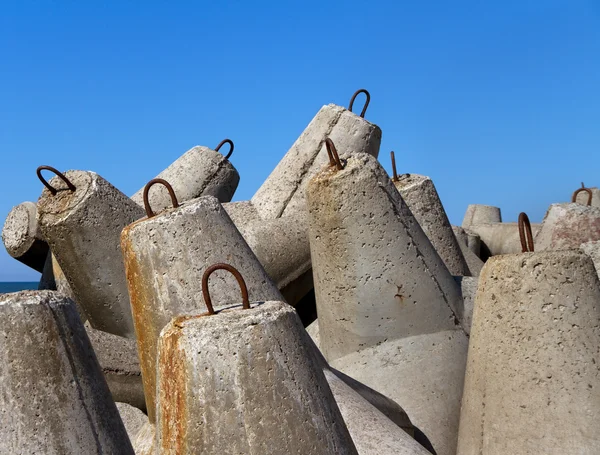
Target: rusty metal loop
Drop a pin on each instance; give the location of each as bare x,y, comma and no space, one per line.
53,190
368,100
238,276
334,159
394,173
169,188
525,233
584,190
225,141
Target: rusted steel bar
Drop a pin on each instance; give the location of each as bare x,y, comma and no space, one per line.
367,101
225,141
169,188
525,233
583,190
53,190
238,276
334,159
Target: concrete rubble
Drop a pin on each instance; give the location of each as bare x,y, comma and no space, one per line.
367,323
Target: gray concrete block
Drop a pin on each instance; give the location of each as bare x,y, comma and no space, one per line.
465,239
481,214
592,249
200,171
83,228
22,238
377,276
468,286
132,418
54,399
47,282
532,382
501,238
283,191
419,193
144,442
259,385
165,257
567,226
241,212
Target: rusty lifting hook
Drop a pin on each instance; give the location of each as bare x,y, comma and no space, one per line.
367,101
169,188
53,190
394,173
584,190
334,159
238,276
225,141
525,233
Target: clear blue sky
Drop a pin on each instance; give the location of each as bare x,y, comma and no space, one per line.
499,102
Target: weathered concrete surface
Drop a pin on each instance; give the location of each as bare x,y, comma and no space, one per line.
481,214
473,262
468,286
245,381
566,226
469,238
313,333
371,431
424,374
200,171
22,238
144,442
419,193
47,282
501,238
54,399
532,384
283,191
241,212
118,358
132,418
165,257
592,249
83,228
377,276
582,197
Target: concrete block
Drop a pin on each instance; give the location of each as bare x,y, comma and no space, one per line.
200,171
82,225
481,214
592,249
419,193
144,442
532,382
245,381
501,238
165,256
468,286
582,197
118,358
132,418
241,212
464,241
424,374
567,226
47,282
54,399
283,191
22,238
377,276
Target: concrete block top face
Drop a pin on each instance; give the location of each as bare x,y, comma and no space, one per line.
21,229
165,257
200,171
245,381
83,229
533,382
376,274
566,226
419,193
283,191
54,397
480,214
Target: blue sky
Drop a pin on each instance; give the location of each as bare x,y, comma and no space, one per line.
498,102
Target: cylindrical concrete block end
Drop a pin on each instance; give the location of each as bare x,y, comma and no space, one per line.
245,381
532,382
54,399
481,214
22,238
567,226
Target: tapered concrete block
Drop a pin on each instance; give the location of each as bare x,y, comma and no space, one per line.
377,276
481,214
419,193
245,381
533,382
592,249
582,197
22,238
132,418
468,286
241,212
144,442
47,282
83,226
200,171
165,257
54,399
283,191
468,243
501,238
566,226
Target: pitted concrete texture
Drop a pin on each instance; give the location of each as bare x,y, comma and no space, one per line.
313,333
245,381
424,374
54,399
118,358
501,238
200,171
474,264
165,257
132,418
592,249
241,212
284,190
144,442
371,431
83,228
468,286
22,238
377,276
582,197
532,383
567,226
419,193
481,214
